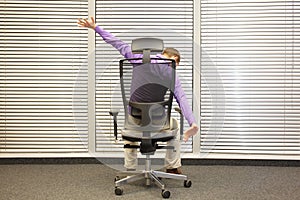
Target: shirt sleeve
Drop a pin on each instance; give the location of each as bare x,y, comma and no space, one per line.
183,102
122,47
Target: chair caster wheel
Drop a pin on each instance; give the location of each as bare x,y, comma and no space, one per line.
165,194
118,191
187,183
117,178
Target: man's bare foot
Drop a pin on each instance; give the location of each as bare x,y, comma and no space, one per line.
190,132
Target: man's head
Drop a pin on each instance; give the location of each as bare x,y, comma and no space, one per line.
172,53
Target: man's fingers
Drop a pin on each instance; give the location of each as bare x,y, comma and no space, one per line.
81,22
185,138
85,22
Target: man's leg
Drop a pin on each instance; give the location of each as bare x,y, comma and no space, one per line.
130,160
173,159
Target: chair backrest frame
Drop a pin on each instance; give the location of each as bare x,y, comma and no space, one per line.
146,124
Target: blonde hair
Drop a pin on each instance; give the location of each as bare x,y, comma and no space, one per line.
172,52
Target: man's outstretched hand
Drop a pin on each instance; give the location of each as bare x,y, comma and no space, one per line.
87,23
190,132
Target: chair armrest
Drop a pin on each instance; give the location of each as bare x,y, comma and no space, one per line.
114,113
177,109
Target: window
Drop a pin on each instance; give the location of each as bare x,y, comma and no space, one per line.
171,21
250,82
43,92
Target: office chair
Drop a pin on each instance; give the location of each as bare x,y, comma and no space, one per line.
146,122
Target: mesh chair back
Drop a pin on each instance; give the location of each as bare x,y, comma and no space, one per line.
147,93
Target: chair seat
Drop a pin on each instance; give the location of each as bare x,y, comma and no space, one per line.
164,135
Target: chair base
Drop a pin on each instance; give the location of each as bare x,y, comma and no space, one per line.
150,176
132,176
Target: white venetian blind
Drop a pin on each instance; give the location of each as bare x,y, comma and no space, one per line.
171,21
250,93
43,106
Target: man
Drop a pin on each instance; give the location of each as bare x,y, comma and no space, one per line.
172,160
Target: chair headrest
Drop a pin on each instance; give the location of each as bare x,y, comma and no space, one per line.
152,44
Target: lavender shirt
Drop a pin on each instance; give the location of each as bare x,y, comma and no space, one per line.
125,50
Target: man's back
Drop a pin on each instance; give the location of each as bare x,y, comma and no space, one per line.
149,83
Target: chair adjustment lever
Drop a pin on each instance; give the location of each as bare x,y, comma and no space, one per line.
164,147
130,146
